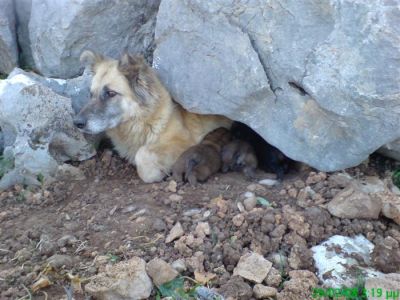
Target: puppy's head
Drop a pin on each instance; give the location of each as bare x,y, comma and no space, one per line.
120,91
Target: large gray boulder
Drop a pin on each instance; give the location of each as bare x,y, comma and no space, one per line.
8,40
60,30
23,15
318,79
38,132
77,89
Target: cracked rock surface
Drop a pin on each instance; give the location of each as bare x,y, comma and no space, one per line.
317,79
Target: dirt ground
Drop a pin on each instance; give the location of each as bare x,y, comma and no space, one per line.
114,216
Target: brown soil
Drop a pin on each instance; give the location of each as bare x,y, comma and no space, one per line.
113,214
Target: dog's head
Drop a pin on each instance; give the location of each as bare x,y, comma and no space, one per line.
121,90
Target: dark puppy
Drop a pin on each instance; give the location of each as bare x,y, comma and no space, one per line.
203,160
239,155
270,159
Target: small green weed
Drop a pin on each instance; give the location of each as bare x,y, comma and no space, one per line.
396,178
113,258
176,289
282,270
5,165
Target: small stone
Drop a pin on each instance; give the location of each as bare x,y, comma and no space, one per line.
160,271
299,184
238,220
159,225
299,285
124,280
250,203
236,288
202,229
248,195
292,193
66,240
240,206
263,292
175,198
269,182
113,210
58,261
179,265
253,267
22,255
128,209
172,186
388,284
390,206
46,246
196,262
354,203
274,278
175,233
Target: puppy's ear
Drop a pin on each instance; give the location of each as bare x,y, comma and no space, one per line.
131,66
89,59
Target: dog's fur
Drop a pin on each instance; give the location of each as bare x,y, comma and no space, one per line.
132,106
201,161
239,155
270,159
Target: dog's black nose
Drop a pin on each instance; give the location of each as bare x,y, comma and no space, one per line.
79,122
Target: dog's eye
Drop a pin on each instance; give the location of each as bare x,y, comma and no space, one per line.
111,94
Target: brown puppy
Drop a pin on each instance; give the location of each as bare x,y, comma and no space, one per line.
201,161
239,155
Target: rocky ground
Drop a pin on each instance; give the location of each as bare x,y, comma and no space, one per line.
243,239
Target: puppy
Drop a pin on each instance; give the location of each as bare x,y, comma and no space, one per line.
239,155
201,161
270,159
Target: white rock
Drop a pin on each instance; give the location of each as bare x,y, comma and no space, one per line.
335,257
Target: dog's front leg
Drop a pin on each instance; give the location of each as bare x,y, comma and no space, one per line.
148,165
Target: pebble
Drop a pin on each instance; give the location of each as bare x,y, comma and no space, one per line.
269,182
253,267
238,220
250,203
66,240
124,280
59,261
172,186
263,292
160,271
179,265
176,232
175,198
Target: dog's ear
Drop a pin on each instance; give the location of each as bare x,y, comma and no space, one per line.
89,59
139,76
131,66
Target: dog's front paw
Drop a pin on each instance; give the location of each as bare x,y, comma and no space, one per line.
148,167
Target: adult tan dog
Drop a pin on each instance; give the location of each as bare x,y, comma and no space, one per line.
132,106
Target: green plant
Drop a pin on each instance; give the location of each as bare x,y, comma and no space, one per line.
359,289
282,270
176,290
5,165
113,258
41,179
396,178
